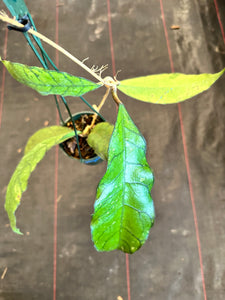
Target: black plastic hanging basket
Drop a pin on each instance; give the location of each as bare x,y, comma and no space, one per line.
86,154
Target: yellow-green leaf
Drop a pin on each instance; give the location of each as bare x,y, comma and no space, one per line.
167,88
99,139
33,154
44,133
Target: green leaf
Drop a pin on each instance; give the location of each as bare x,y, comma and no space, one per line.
34,154
167,88
99,139
44,134
124,209
50,82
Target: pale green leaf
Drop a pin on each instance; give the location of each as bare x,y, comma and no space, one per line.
124,209
167,88
34,154
44,134
50,82
99,139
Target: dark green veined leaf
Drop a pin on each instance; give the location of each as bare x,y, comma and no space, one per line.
48,82
167,88
124,209
34,154
99,139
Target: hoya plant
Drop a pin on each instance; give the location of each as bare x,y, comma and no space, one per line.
123,210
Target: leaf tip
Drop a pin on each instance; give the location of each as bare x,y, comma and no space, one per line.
17,231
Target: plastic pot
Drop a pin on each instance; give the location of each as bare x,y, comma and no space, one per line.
81,120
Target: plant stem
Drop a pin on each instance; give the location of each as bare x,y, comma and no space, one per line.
103,99
97,108
100,106
115,96
5,18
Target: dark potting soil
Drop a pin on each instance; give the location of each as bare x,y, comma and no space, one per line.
70,145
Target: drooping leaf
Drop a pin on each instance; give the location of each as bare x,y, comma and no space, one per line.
167,88
48,82
99,139
124,209
44,134
34,154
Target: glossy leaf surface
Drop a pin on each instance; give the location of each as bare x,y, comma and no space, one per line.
48,82
99,139
34,153
124,209
167,88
